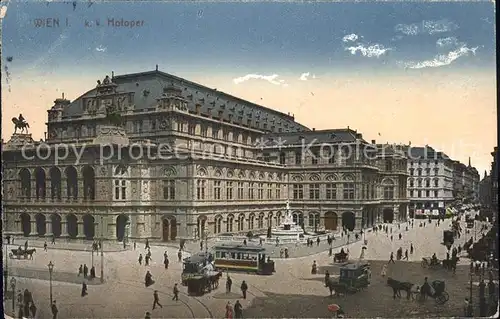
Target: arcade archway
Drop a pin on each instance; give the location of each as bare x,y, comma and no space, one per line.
169,229
298,218
26,224
55,220
349,221
121,225
72,223
89,226
55,183
40,224
331,221
388,215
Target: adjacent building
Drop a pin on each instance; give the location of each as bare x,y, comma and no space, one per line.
494,181
430,181
485,195
465,182
152,155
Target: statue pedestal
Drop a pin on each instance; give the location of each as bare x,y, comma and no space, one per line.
18,140
110,134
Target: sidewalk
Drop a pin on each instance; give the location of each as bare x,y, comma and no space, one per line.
66,244
60,276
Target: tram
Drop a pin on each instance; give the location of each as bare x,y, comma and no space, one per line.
250,259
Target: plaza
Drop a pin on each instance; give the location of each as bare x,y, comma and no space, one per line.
123,295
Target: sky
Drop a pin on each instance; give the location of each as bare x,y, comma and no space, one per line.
397,72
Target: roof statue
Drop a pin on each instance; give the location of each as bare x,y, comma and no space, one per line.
20,123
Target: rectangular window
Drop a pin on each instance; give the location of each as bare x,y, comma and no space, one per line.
313,191
225,134
229,190
117,189
215,132
278,191
436,183
331,191
348,190
282,158
298,158
260,194
427,194
200,189
240,190
192,129
204,131
388,192
124,189
298,191
331,157
435,193
169,189
419,194
250,190
217,189
411,193
269,191
180,126
314,158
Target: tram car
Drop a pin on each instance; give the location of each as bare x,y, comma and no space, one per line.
244,258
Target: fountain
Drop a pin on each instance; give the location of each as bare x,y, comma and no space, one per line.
288,231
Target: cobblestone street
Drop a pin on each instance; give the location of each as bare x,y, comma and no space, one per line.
291,292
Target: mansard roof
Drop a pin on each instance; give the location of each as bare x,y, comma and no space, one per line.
425,153
315,137
147,87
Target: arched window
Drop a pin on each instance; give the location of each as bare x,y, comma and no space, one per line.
120,182
241,220
229,223
260,221
218,225
251,221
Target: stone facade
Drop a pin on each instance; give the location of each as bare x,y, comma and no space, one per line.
190,162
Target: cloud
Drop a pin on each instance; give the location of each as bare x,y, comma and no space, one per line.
101,48
426,27
442,59
447,42
371,51
3,12
273,79
350,38
305,76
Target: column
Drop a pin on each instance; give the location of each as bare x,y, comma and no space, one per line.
110,227
64,189
17,230
48,191
33,231
48,227
64,227
33,190
359,223
81,191
80,228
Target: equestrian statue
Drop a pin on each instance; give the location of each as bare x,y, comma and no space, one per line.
20,123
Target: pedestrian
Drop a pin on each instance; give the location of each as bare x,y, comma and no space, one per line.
140,259
176,293
201,244
26,245
54,310
85,270
33,309
406,254
317,241
229,310
148,315
21,312
135,244
19,297
45,246
392,258
80,270
179,255
411,248
147,259
92,272
330,251
147,244
244,288
400,236
156,300
165,262
238,310
391,237
229,283
384,270
281,253
84,289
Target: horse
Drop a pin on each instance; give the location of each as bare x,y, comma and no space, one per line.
340,257
20,124
397,286
451,264
30,253
339,288
213,281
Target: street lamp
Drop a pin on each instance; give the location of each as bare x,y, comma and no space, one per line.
13,286
206,242
102,251
51,268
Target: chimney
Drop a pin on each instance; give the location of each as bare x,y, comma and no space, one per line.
314,129
348,127
112,75
198,109
373,142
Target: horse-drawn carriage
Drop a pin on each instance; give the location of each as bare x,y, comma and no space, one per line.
18,253
340,257
200,284
353,277
199,274
439,294
428,262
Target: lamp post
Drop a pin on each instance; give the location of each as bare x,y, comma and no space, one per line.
102,251
13,286
206,242
51,268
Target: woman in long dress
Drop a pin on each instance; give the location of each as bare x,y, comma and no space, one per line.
229,311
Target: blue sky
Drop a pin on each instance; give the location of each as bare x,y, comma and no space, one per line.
247,36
